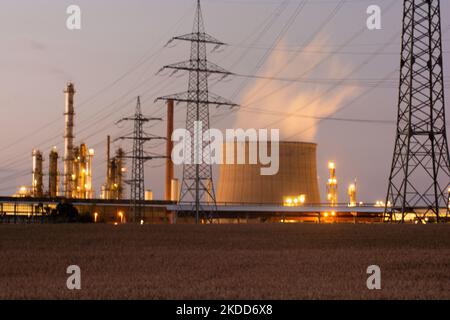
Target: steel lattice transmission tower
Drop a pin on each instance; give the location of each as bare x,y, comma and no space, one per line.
139,157
420,174
197,187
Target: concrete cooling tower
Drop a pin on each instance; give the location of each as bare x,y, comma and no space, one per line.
297,176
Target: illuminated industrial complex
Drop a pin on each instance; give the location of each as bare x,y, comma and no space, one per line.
294,187
243,193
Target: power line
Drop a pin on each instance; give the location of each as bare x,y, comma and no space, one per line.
365,62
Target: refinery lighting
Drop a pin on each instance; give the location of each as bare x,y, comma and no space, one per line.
332,185
294,201
449,198
352,195
121,216
331,165
302,198
380,204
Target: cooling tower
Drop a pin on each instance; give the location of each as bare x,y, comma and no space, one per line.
297,176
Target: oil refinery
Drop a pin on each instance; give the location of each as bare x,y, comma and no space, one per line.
294,192
226,154
241,192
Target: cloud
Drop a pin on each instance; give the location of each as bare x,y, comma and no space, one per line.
304,103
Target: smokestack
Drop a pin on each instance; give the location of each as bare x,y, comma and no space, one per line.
108,157
53,174
68,140
38,176
169,148
120,172
89,173
109,167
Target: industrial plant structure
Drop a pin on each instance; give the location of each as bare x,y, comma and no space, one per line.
82,173
37,189
68,141
77,176
53,174
113,189
352,195
332,185
297,177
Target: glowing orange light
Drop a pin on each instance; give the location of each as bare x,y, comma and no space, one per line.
331,165
121,216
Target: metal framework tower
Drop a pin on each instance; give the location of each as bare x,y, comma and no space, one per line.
420,174
197,175
139,157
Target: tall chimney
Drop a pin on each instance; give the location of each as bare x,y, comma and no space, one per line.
108,154
169,148
68,140
53,174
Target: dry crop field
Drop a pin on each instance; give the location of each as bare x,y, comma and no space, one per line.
225,261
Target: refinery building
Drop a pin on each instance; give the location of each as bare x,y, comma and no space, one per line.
239,186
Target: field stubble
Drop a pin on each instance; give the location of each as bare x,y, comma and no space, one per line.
225,261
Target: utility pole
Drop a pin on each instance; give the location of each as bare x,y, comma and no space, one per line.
420,175
139,157
197,175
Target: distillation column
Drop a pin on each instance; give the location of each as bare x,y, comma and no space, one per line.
332,185
68,141
38,176
53,174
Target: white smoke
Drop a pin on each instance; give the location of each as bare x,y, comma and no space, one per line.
303,102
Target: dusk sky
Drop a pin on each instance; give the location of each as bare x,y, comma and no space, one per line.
120,48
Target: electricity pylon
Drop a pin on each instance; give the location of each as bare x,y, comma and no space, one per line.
420,175
139,157
198,187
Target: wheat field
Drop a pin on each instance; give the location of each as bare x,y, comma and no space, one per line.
267,261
